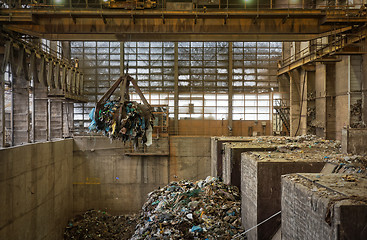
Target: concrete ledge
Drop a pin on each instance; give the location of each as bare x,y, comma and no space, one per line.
216,161
232,159
324,206
261,187
354,140
36,190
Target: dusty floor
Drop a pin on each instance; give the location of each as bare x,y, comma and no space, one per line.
99,225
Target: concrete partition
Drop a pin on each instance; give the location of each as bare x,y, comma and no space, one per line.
354,140
324,206
261,186
232,159
107,176
216,160
36,190
189,158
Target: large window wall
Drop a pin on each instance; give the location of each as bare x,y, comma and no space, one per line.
202,77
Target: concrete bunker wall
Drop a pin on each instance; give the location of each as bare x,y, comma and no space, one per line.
36,190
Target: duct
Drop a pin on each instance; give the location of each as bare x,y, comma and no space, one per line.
68,80
77,82
33,67
50,74
81,87
73,80
21,54
6,56
23,67
42,72
63,78
12,61
57,75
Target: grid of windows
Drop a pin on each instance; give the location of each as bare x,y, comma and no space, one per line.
203,70
255,66
151,64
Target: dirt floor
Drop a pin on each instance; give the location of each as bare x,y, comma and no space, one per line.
99,225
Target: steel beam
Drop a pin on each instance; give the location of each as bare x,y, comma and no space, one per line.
333,48
122,25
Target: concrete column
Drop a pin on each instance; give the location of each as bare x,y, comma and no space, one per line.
284,88
330,130
68,119
303,102
2,109
176,89
20,113
56,119
286,53
311,107
325,100
294,101
122,62
66,49
230,89
320,89
40,112
342,86
364,87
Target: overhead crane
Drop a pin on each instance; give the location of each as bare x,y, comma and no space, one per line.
163,25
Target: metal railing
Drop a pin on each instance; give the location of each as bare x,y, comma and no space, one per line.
196,5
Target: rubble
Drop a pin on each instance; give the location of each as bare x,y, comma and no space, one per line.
99,225
207,209
128,121
308,145
356,115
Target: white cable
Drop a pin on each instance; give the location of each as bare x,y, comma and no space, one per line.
239,235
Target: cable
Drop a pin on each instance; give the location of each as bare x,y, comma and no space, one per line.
300,111
239,235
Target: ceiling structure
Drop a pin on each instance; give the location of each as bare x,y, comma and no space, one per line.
158,25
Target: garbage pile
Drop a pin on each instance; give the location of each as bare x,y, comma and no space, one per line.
356,115
207,209
126,121
329,150
100,225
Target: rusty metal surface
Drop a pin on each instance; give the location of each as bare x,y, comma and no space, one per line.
227,25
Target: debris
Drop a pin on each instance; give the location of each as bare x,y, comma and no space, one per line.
128,121
207,209
95,225
349,178
356,115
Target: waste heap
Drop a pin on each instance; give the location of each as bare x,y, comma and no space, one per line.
330,150
356,115
207,209
126,121
100,225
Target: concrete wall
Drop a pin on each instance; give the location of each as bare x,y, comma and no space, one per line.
320,87
105,178
354,140
189,158
294,101
364,86
36,190
261,191
323,207
342,78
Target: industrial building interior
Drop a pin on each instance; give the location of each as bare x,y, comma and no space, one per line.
188,119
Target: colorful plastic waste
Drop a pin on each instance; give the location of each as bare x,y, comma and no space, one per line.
129,121
206,209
